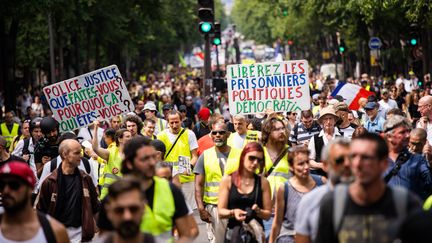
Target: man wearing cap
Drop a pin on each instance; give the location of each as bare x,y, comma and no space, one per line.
150,113
186,121
327,119
201,128
374,122
69,195
20,222
344,125
166,109
181,144
386,103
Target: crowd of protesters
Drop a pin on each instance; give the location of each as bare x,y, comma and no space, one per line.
327,174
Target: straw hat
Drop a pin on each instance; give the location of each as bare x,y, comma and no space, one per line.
328,111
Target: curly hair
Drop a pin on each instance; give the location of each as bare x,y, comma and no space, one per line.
135,119
268,127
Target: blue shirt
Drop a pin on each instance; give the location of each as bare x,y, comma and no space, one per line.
375,126
415,175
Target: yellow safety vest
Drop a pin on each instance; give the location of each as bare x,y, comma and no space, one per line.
181,148
251,136
158,219
280,173
213,173
9,135
428,203
111,171
103,163
160,125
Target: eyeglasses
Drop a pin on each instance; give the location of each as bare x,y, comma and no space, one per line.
133,209
254,158
12,184
218,132
340,160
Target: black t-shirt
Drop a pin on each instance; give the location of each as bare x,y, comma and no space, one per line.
374,223
12,158
71,212
181,208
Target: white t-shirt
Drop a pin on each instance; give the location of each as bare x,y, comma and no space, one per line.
87,134
238,140
386,106
193,144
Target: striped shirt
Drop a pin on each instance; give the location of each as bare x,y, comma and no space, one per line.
300,134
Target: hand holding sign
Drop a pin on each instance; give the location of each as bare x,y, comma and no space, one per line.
77,102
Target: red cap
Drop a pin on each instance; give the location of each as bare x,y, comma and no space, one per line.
19,169
204,114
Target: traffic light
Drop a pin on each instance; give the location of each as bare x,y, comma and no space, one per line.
206,16
217,34
413,37
342,47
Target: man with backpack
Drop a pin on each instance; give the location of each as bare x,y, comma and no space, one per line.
20,222
367,210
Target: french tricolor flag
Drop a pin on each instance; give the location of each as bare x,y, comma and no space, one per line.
351,93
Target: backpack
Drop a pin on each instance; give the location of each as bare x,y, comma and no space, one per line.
84,161
400,199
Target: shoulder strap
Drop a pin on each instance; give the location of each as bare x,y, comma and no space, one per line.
86,163
277,161
400,160
25,149
339,201
53,165
317,179
46,227
286,196
319,144
177,138
400,199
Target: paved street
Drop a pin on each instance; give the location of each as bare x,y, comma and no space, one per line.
202,237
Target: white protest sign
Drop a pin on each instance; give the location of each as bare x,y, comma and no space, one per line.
280,86
78,101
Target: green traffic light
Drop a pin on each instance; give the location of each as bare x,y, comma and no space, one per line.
217,41
413,41
285,12
341,49
206,27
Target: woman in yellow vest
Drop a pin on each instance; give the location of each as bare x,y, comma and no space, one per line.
113,157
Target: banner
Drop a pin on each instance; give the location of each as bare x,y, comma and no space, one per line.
280,86
78,101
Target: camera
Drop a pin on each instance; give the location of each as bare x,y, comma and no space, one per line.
44,148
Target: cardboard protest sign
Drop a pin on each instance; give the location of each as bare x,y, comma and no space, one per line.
280,86
78,101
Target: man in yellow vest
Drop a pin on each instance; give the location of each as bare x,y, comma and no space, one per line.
166,206
211,166
150,112
9,129
274,139
181,146
25,134
242,136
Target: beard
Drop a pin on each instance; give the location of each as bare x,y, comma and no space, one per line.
128,229
15,206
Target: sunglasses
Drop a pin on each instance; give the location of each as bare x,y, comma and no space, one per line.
12,184
120,210
340,160
218,132
253,158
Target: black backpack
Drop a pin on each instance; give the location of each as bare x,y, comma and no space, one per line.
84,161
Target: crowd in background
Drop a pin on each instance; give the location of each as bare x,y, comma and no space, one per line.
267,176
